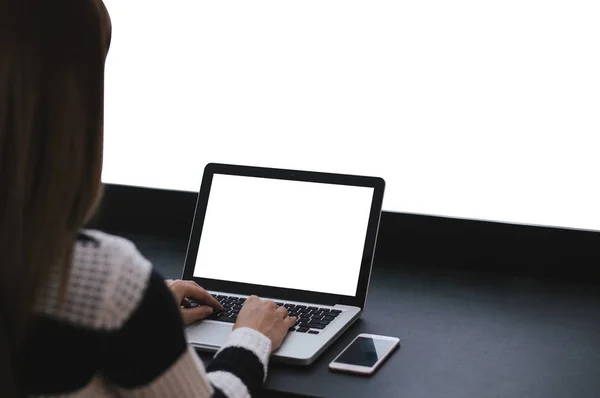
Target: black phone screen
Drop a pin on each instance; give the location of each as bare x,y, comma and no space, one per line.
365,351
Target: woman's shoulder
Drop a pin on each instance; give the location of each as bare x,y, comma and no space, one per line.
90,240
106,282
116,258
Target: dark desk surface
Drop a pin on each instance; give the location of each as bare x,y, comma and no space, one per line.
462,335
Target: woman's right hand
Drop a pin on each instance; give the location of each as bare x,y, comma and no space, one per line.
265,317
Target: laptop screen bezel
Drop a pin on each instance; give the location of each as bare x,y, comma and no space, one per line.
378,185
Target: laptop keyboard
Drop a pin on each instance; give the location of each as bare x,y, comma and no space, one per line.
311,320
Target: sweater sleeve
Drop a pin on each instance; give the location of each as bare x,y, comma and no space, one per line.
240,367
149,355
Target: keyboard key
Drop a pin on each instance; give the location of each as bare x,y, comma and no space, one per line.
242,300
335,312
313,332
312,308
312,325
324,309
302,329
279,304
301,307
289,306
328,318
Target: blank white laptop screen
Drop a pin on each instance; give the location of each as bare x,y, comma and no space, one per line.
287,234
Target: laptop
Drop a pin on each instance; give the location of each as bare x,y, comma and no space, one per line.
303,239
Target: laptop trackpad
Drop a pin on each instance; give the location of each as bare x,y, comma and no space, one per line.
209,334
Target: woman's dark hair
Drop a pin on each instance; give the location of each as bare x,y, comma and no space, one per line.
52,56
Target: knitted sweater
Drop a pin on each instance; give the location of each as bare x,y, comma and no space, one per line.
119,333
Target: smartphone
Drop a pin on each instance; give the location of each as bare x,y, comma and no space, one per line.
365,354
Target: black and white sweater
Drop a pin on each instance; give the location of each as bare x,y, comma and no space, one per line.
120,333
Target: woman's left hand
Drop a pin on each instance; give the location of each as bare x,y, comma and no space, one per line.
184,290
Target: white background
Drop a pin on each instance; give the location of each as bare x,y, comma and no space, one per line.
288,234
468,108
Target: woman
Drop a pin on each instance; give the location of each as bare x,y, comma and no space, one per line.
83,313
